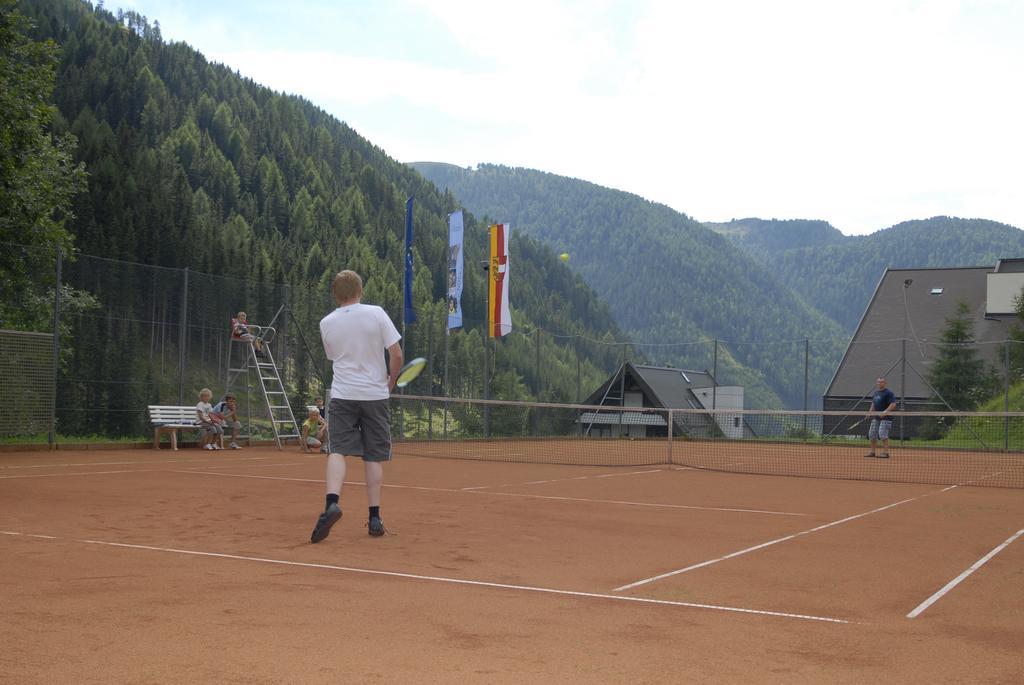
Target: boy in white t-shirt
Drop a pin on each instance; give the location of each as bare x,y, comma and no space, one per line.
355,337
211,430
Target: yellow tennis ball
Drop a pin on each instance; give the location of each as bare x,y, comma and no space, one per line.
564,256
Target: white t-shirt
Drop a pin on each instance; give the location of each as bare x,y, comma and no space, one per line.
203,410
355,337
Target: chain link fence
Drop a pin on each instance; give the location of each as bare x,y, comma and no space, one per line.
132,335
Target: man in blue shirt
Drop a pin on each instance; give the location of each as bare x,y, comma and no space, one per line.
883,403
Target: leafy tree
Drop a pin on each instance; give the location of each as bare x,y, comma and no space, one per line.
38,177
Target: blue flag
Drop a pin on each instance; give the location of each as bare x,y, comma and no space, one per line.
410,315
455,270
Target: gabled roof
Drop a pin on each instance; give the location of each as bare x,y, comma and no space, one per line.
664,386
916,311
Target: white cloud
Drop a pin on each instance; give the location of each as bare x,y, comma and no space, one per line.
864,114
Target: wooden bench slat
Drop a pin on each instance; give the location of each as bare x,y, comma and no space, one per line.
170,419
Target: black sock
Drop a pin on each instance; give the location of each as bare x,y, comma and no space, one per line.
331,499
374,511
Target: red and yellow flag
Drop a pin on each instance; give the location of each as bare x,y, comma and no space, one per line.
499,317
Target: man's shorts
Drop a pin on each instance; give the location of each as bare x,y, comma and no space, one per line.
360,428
879,429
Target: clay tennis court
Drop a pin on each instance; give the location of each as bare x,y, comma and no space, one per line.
148,566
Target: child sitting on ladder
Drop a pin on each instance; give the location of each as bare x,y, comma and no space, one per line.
240,331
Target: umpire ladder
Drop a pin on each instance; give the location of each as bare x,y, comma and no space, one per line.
271,386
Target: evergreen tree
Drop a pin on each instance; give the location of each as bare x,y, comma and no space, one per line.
1016,338
958,375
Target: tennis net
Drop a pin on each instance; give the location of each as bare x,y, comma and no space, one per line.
950,448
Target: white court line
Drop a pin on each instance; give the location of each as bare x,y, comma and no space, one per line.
511,494
956,581
560,480
454,581
130,463
66,475
290,463
774,542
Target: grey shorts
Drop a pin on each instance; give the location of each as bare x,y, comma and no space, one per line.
210,428
879,429
360,428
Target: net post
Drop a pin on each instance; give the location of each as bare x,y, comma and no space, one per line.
51,437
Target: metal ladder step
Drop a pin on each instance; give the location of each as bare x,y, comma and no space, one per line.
273,390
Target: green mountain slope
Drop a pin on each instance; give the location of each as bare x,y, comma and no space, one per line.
838,276
760,237
669,279
191,165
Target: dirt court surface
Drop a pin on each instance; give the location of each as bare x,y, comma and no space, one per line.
143,566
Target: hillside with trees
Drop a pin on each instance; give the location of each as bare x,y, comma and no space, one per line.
837,274
762,237
672,283
262,197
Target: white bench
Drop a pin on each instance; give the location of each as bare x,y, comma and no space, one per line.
167,419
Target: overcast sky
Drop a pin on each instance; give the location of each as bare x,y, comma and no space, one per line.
863,113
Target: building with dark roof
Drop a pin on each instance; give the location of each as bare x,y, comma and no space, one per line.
636,385
900,333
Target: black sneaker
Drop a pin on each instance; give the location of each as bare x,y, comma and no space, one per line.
376,527
327,519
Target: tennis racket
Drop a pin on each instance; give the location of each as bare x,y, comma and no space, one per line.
857,423
410,372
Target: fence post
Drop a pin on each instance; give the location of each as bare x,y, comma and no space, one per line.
536,388
714,378
444,387
903,384
487,384
430,373
181,340
622,389
670,432
52,436
1006,397
807,364
577,348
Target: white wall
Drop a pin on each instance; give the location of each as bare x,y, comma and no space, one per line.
1001,289
725,397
